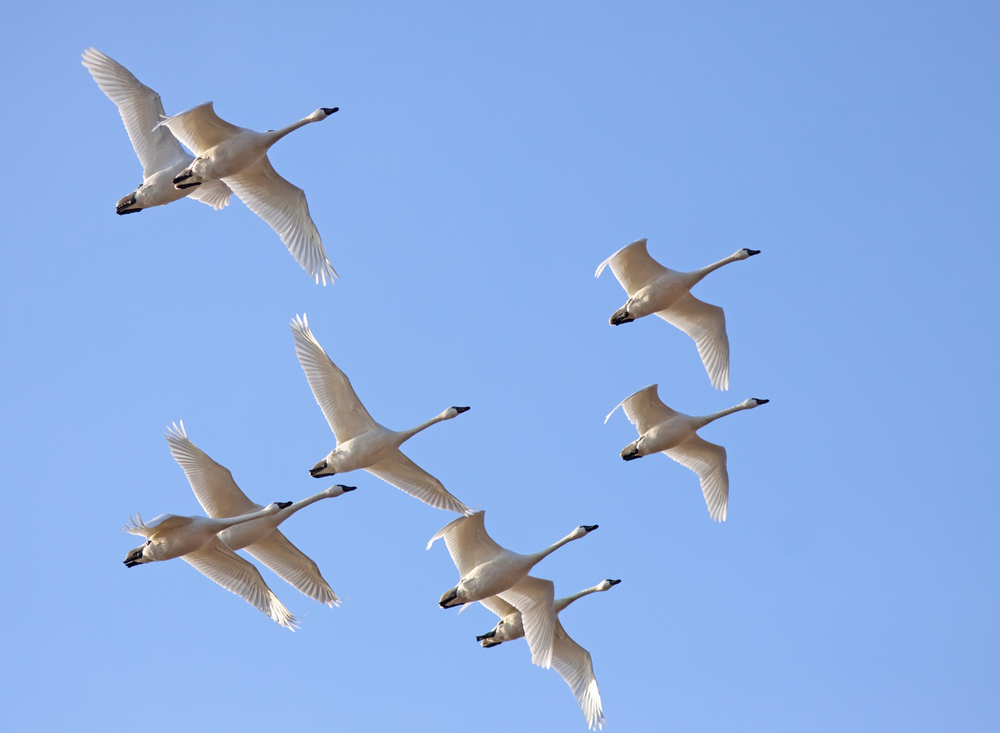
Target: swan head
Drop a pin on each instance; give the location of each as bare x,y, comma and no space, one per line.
324,467
129,204
453,412
449,599
631,451
608,584
487,639
338,490
322,113
134,557
621,316
745,253
583,530
754,402
277,506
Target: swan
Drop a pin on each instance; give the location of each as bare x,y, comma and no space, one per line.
238,157
487,569
162,157
362,442
196,541
571,661
653,288
662,430
219,496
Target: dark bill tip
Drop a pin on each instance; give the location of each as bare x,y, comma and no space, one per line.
460,410
591,527
330,110
347,488
751,252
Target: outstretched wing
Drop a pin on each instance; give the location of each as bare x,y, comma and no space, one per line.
706,324
644,409
330,386
407,476
574,665
534,598
238,576
633,267
293,566
499,606
708,460
283,206
214,193
468,542
200,128
141,111
213,484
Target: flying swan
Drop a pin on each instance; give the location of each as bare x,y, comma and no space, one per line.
571,661
487,569
161,156
220,497
238,157
196,541
362,442
653,288
662,430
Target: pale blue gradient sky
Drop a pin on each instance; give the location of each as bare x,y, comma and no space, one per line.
483,163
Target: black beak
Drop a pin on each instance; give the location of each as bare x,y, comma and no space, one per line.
759,401
614,582
328,110
347,488
121,208
487,635
591,528
752,252
459,410
281,504
315,471
621,317
133,559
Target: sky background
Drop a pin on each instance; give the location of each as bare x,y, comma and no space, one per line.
484,162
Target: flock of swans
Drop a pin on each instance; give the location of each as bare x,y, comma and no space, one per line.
229,159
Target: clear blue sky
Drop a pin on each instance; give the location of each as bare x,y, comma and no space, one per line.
483,163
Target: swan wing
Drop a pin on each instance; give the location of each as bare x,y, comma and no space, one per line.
633,267
213,484
293,566
407,476
468,542
708,460
232,572
534,598
574,665
499,606
706,324
330,386
141,111
283,206
214,193
200,128
645,409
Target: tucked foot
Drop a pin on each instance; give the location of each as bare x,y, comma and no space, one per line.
186,185
488,635
183,176
630,453
621,316
319,470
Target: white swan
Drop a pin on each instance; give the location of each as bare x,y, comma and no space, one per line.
487,569
362,442
571,661
662,430
238,157
162,157
219,496
652,288
195,540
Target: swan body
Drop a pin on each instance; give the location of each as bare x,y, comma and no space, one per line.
653,288
571,661
487,569
662,430
219,496
238,157
161,155
196,541
361,442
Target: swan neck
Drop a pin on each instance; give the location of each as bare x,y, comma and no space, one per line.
721,413
539,556
233,521
561,603
290,510
276,135
407,434
699,274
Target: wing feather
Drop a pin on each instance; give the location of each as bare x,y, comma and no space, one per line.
633,267
574,665
283,206
213,483
468,542
706,324
645,409
293,566
213,193
708,460
534,598
200,128
407,476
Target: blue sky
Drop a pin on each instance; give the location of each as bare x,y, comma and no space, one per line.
483,163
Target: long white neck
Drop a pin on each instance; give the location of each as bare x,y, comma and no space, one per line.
537,557
275,135
706,419
561,603
407,434
699,274
225,522
290,510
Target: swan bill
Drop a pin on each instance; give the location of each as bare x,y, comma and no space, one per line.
183,176
186,186
133,558
760,401
489,635
283,504
330,110
122,207
460,410
630,453
591,527
751,252
613,582
621,316
448,597
317,471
